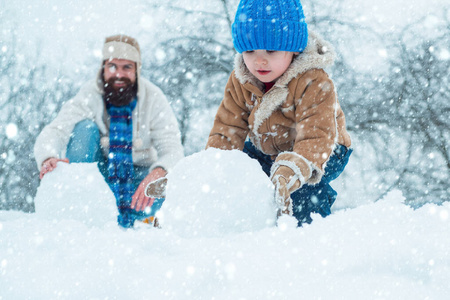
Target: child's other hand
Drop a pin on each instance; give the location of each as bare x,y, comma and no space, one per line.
282,196
285,184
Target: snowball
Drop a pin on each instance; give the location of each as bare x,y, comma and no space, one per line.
216,192
78,192
286,222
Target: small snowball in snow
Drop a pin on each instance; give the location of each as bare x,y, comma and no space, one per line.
216,192
286,222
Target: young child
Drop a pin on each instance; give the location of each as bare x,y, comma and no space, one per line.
280,97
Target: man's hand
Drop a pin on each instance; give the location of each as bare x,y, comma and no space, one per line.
49,165
140,201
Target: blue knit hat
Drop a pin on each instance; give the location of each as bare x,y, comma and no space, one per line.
277,25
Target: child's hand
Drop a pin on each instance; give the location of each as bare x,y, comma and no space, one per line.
285,184
282,196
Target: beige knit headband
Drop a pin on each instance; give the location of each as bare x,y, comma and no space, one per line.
121,50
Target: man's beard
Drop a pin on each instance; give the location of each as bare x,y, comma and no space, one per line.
121,96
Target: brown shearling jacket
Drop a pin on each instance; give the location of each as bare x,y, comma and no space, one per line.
298,122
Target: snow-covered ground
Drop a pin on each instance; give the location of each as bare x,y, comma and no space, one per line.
71,248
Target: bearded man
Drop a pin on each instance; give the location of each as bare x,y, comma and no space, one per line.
121,121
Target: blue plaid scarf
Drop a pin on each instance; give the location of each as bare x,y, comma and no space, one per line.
120,160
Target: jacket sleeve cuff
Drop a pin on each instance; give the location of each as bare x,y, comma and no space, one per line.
306,171
291,173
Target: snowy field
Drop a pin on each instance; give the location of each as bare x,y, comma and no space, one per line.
218,241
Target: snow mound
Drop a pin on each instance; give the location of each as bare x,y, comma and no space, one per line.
383,250
77,192
216,192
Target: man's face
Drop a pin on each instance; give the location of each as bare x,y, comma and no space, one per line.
120,81
117,71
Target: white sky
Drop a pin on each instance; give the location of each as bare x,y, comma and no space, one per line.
397,12
72,23
68,31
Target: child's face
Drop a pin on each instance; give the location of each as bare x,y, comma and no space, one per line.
267,65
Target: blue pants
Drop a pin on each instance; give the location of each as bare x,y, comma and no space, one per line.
317,198
84,146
